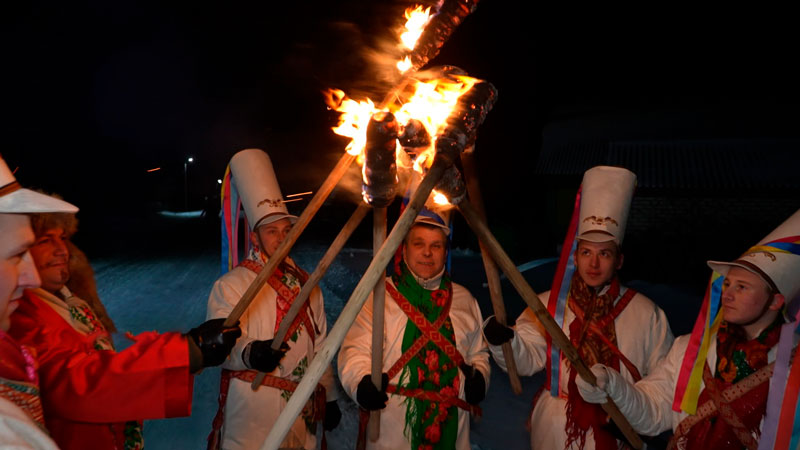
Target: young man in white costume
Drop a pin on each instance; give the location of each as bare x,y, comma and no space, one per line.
604,320
245,416
21,415
432,388
729,405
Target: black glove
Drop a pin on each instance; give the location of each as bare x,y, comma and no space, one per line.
497,334
474,384
332,416
369,397
262,357
214,340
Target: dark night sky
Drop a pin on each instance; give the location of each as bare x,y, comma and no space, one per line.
96,93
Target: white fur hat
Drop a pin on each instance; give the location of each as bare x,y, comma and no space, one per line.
776,259
16,199
606,194
255,180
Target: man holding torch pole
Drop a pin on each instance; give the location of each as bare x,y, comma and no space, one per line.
604,320
245,415
435,361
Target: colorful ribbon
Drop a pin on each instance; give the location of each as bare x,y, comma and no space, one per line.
781,430
231,208
559,292
705,329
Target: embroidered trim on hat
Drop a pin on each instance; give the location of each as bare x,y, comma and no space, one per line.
594,220
273,203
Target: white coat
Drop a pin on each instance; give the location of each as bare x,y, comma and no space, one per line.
643,336
355,358
248,414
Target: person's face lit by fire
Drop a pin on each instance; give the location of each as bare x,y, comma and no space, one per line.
270,236
17,270
425,250
597,262
748,301
51,255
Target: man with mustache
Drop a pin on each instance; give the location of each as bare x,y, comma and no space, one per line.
604,320
94,397
723,407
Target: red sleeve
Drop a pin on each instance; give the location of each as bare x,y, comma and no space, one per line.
148,380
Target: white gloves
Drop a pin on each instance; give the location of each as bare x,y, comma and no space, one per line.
594,394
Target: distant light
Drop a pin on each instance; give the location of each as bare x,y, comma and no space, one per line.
190,159
154,169
219,181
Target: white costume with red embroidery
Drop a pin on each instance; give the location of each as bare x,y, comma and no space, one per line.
249,414
355,360
643,336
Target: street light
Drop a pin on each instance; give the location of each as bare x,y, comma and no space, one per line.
185,183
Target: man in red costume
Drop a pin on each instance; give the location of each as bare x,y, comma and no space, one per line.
94,397
21,417
726,410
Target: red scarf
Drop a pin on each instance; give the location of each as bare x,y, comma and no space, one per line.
737,357
592,332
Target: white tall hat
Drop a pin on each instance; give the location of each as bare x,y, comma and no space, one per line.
776,259
606,194
16,199
255,180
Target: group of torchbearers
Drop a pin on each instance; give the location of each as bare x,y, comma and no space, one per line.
62,384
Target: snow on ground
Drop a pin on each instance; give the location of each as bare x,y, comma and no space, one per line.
169,293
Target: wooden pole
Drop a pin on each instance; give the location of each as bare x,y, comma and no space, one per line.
319,272
283,250
353,306
378,296
559,338
492,274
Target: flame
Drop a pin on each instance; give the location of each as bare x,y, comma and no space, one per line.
416,19
353,120
439,198
404,65
430,102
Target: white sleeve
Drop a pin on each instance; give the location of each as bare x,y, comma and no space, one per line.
660,339
477,353
221,301
18,431
355,355
648,404
321,322
529,345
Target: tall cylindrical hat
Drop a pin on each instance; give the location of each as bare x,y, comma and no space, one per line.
14,199
776,259
255,180
606,194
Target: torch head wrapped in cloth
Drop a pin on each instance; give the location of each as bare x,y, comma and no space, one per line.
606,194
255,180
380,167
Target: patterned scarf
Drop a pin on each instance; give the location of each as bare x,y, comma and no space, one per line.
19,382
287,280
582,415
429,425
737,357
